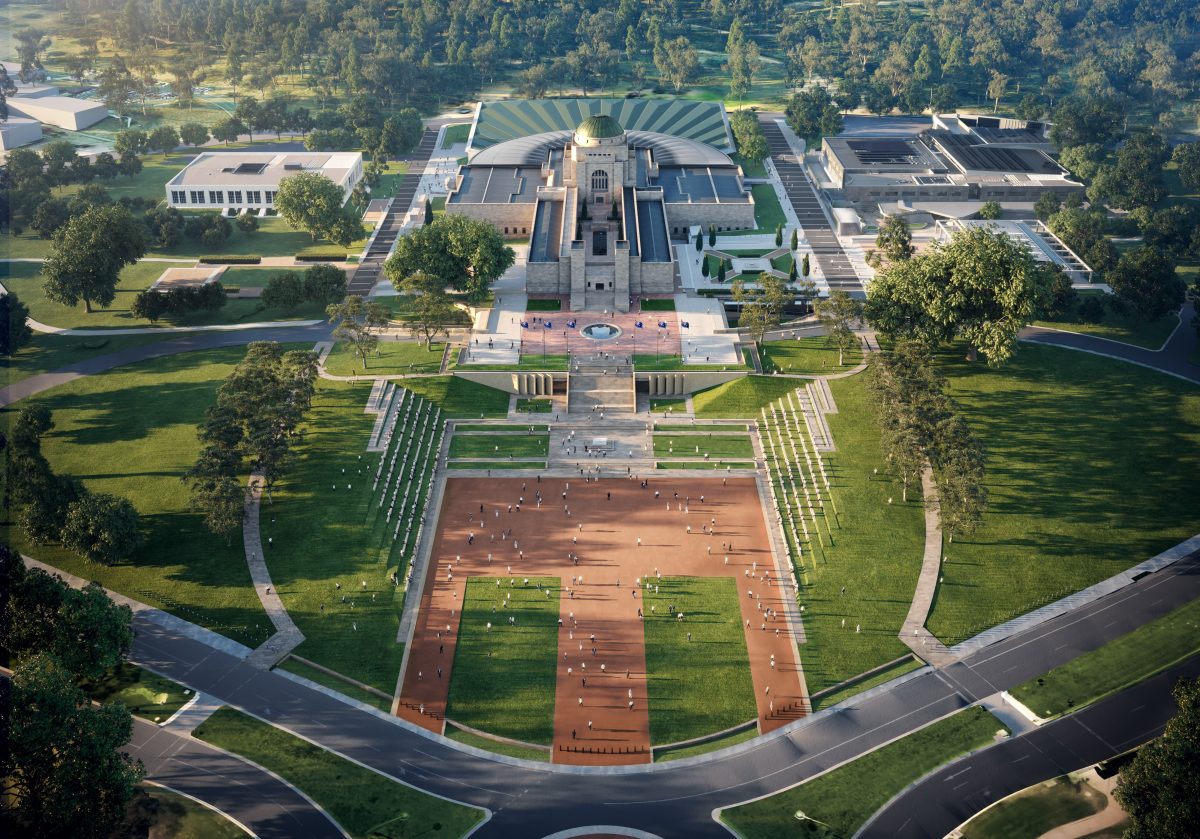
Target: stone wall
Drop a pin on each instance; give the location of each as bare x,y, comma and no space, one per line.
513,219
724,216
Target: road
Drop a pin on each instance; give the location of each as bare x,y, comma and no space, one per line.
953,794
673,799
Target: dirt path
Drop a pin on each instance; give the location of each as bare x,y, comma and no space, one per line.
607,518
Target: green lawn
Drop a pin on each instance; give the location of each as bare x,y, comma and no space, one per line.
716,445
367,805
1035,811
390,357
704,685
464,427
768,214
488,744
701,464
651,362
503,681
812,356
342,686
873,548
24,279
658,305
179,817
50,352
666,403
1118,664
146,694
1090,469
252,276
740,398
834,697
496,464
498,446
552,305
1117,327
846,797
535,406
529,361
751,168
132,432
456,134
705,748
459,398
322,537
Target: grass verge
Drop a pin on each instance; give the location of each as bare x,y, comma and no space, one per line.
364,803
389,357
459,397
146,694
830,699
699,445
703,685
1037,810
535,406
487,744
807,357
705,748
179,817
740,398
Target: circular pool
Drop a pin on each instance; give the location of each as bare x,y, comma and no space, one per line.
601,331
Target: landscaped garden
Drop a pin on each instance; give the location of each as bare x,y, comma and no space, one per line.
704,443
459,398
813,356
389,358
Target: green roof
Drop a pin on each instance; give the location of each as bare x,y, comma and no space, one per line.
599,126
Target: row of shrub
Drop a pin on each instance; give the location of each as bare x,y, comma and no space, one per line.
177,302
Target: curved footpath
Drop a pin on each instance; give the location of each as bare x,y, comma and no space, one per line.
672,799
954,793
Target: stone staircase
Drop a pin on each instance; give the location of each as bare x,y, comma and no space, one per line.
602,386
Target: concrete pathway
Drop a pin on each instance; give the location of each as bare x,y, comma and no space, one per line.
1173,358
1111,816
199,708
287,636
703,341
913,632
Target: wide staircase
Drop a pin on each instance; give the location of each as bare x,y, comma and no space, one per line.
367,274
603,385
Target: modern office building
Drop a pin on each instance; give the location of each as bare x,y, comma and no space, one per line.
236,181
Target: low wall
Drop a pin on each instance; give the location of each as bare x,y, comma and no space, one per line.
680,382
520,383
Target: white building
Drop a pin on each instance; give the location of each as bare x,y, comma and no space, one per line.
19,131
60,111
234,181
1033,235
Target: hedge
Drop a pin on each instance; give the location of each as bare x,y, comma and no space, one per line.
230,260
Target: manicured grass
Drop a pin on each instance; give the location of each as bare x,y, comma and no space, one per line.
1035,811
750,168
740,398
665,403
553,305
503,680
704,464
400,308
132,432
704,685
333,683
180,817
767,212
455,134
813,356
535,406
784,263
869,546
846,797
1115,327
658,305
1118,664
50,352
842,694
649,362
499,446
253,277
146,694
323,537
459,397
732,426
528,361
389,357
714,445
463,427
1091,468
705,748
363,802
460,736
496,464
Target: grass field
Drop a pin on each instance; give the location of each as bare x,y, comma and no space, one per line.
364,803
740,398
808,357
511,691
496,464
658,305
703,686
1035,811
846,797
498,446
705,443
552,305
465,427
132,432
528,361
1117,327
391,357
710,464
459,398
535,406
1118,664
767,211
179,817
668,403
1090,469
842,694
651,362
50,352
323,537
349,689
705,748
460,736
456,134
146,694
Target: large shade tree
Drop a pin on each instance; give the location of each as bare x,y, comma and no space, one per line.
980,287
463,253
88,254
313,203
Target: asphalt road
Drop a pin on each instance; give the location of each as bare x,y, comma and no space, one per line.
955,793
673,799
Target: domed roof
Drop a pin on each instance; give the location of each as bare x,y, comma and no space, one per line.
598,127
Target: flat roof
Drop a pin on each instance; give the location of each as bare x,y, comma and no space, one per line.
64,104
262,168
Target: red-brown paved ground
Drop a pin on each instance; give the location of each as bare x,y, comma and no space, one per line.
560,338
607,531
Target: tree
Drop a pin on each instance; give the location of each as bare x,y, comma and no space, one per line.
704,267
193,133
118,87
779,235
88,254
1186,157
164,226
402,131
795,243
311,202
980,287
102,528
762,308
805,266
742,60
284,290
228,130
131,141
720,270
357,322
463,253
1160,787
324,284
838,313
699,240
432,308
64,771
677,62
1085,119
1048,204
246,222
50,216
894,239
989,210
16,332
747,133
812,113
1145,280
164,138
996,89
